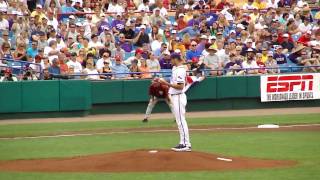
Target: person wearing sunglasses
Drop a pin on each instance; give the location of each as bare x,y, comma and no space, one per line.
192,52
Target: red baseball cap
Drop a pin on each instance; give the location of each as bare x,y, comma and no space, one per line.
139,51
195,60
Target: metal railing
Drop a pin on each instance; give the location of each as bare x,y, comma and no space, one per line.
20,67
206,72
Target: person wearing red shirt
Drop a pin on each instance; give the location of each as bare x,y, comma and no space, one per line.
221,4
305,39
181,23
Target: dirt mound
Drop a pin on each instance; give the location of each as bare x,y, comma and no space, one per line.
141,161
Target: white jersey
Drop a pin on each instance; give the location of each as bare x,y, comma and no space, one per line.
178,76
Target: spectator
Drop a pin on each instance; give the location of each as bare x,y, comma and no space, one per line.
8,76
138,57
313,62
158,52
286,44
91,71
192,52
54,68
142,37
233,67
144,69
77,67
279,56
106,69
153,63
119,69
165,61
213,62
305,38
271,64
250,64
260,64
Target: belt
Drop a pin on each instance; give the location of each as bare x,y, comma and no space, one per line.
176,94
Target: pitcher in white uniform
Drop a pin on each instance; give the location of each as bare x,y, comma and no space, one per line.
179,100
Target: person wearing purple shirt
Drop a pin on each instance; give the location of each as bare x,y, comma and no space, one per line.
117,24
211,17
279,57
193,21
165,62
201,46
102,25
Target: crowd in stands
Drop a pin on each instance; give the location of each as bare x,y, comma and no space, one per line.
131,39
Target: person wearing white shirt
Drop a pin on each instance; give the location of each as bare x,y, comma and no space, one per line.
250,63
272,4
305,26
91,71
105,58
4,24
95,43
75,64
144,6
115,8
177,88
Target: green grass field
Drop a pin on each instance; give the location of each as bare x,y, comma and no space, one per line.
302,146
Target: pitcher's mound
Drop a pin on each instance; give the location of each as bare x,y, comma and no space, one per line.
141,161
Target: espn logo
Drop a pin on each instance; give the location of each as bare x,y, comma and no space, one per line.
290,83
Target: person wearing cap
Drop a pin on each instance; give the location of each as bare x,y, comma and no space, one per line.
176,44
233,67
181,22
212,61
119,67
164,61
156,17
271,64
286,43
8,76
38,12
250,64
248,45
117,24
138,57
279,56
142,37
103,24
127,31
305,38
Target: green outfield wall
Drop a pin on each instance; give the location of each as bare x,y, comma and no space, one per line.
81,97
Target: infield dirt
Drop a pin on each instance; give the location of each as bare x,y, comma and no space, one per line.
141,161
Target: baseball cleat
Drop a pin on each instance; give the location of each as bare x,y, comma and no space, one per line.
145,120
181,148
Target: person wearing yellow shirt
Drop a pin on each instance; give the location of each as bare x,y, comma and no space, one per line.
260,4
264,54
255,15
38,12
188,16
177,44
